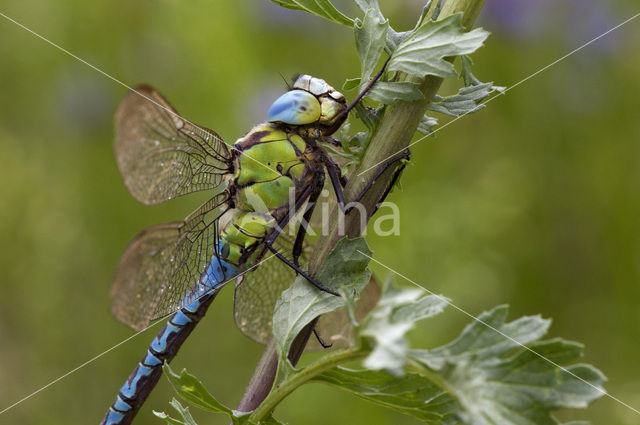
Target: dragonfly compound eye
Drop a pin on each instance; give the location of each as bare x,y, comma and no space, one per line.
296,107
331,109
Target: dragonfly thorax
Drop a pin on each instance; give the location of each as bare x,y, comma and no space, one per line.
269,165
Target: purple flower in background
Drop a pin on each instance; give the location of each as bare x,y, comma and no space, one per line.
516,18
573,21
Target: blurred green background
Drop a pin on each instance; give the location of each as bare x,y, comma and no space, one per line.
532,202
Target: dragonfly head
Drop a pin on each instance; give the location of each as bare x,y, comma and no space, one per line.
310,101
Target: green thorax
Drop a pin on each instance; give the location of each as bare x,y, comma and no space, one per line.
269,166
269,163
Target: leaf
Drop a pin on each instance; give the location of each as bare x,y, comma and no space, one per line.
396,313
497,380
322,8
370,117
344,268
465,72
370,33
465,102
393,37
392,92
412,395
426,125
481,339
424,52
350,84
184,412
190,389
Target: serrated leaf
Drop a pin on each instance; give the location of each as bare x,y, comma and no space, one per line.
466,101
497,380
426,125
488,336
190,389
322,8
412,395
344,268
396,313
392,92
465,72
423,308
370,33
370,117
393,37
424,52
184,412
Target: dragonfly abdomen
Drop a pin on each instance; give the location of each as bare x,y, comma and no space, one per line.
162,350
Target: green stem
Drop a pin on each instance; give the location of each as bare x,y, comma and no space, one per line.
393,135
305,375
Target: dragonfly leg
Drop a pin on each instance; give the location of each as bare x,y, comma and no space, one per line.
300,200
396,175
320,340
300,271
302,230
334,172
335,175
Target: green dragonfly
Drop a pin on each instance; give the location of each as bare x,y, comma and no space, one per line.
276,170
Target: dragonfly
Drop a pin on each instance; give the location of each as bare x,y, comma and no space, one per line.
274,171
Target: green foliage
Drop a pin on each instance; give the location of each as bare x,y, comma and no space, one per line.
187,419
413,394
501,373
190,389
387,325
493,372
424,51
371,35
418,53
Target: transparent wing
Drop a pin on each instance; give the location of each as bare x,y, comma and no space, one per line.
163,262
161,155
258,290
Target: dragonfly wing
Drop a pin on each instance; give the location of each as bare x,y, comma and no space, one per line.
258,290
160,154
164,262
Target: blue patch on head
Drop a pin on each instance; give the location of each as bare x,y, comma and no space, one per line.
296,107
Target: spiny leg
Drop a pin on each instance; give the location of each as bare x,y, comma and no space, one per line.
320,340
302,230
334,171
396,175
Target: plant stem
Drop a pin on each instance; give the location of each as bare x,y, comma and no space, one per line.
325,363
396,128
